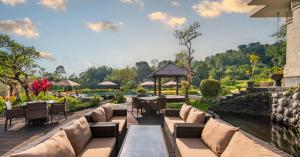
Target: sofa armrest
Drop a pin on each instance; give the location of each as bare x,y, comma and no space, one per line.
208,116
104,129
188,130
119,112
172,112
88,117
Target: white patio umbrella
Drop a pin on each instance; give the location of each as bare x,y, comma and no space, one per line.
147,83
66,83
170,83
107,83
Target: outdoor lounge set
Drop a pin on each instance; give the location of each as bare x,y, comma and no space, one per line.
192,132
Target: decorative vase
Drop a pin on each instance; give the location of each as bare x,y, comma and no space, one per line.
277,78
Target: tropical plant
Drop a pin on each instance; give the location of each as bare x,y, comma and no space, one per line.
253,60
40,86
210,88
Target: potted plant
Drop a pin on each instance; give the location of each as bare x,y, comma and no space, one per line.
277,77
141,91
254,59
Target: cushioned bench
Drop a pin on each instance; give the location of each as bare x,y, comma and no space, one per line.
105,114
76,138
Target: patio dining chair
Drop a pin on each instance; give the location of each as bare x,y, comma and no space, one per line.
138,105
58,108
13,112
159,103
36,110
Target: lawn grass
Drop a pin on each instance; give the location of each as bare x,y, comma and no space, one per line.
197,104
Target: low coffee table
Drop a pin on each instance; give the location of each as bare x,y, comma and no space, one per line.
144,141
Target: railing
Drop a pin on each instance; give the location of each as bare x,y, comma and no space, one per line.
295,4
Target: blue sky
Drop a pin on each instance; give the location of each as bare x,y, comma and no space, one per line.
83,33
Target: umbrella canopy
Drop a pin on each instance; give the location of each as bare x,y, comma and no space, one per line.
170,83
147,83
66,83
107,83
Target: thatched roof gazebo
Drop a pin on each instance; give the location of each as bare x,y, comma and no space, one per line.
167,71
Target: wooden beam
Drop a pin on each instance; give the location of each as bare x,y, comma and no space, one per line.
154,85
177,85
159,86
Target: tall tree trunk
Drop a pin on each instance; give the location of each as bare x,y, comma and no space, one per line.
26,90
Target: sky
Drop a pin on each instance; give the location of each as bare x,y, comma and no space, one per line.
79,34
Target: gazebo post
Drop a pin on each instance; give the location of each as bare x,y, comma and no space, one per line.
159,86
154,85
177,85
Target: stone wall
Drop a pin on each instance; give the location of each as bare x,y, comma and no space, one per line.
286,108
258,104
292,70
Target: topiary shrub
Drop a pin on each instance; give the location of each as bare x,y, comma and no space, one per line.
210,88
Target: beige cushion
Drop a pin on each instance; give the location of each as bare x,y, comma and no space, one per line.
101,147
78,134
108,112
184,111
196,116
98,116
170,121
216,135
193,147
57,145
242,146
121,120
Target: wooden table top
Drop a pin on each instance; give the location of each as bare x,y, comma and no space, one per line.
144,140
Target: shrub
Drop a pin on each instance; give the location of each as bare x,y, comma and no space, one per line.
120,98
141,90
226,90
1,105
96,100
210,88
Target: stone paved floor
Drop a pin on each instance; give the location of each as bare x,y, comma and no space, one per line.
19,135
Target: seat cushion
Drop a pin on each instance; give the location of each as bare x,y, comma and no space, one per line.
196,116
121,120
78,134
99,147
108,111
193,147
57,145
217,135
242,146
184,111
170,121
98,116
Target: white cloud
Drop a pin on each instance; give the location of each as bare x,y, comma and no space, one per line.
167,19
47,55
174,4
13,2
138,3
22,27
101,25
211,9
55,4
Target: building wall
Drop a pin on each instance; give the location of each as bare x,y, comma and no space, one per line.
292,67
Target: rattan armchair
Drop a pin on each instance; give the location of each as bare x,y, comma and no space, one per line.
159,103
138,105
13,112
36,110
58,108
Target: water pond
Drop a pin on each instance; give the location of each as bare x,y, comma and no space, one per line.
284,138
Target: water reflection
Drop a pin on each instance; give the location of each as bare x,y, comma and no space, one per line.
285,138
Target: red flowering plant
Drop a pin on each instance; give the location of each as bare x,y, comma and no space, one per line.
40,85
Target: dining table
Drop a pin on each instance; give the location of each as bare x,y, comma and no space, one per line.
148,103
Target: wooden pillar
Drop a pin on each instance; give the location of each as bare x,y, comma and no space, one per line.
177,85
154,85
159,86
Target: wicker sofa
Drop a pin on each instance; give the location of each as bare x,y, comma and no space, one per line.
172,117
119,117
63,141
189,142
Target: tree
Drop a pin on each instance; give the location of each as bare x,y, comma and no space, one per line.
17,62
59,72
253,60
185,57
92,76
143,70
122,76
200,72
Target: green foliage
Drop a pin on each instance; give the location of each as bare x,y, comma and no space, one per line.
210,88
142,70
226,90
120,98
2,105
199,104
141,90
201,72
122,75
96,100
